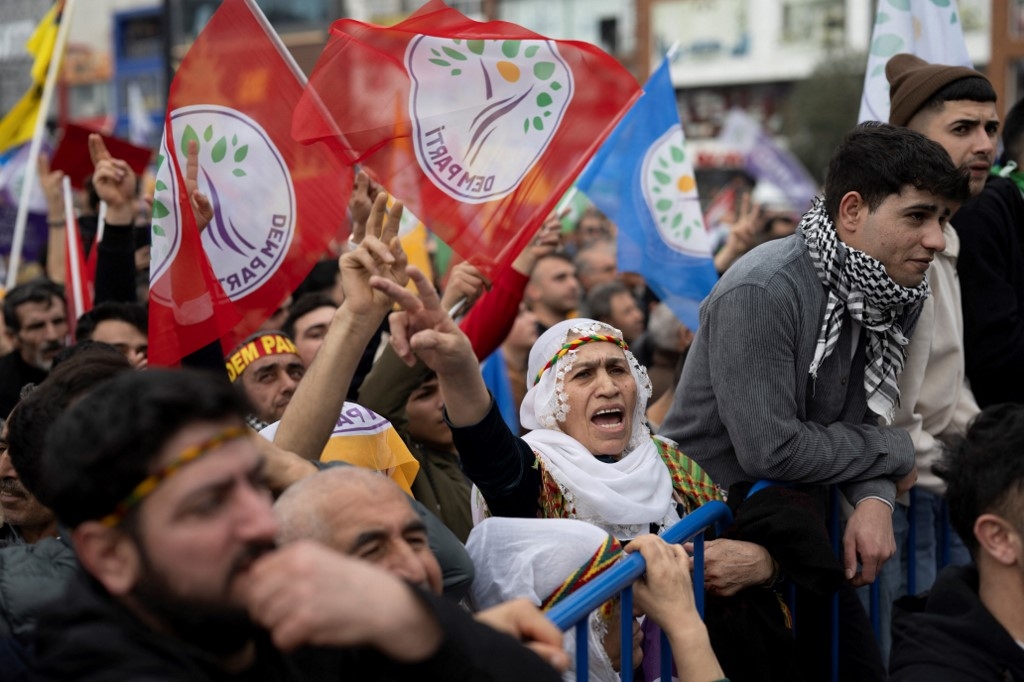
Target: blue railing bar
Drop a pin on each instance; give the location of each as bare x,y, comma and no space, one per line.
575,608
626,635
582,644
911,548
761,485
666,658
698,574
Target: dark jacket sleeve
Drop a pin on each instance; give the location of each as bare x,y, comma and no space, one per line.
473,651
491,319
991,230
115,265
500,464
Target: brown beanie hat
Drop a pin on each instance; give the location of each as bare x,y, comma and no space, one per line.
912,82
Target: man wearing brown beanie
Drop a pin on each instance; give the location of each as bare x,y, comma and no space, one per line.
954,106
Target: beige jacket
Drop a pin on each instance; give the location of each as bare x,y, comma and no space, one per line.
935,401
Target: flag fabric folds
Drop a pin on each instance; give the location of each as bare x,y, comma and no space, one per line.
643,180
276,203
925,28
19,124
365,439
14,172
478,128
765,159
79,277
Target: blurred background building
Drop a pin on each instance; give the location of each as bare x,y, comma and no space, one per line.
795,65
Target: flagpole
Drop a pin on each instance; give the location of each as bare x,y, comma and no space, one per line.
37,140
73,244
293,66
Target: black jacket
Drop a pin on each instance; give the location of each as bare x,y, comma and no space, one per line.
92,638
991,271
949,635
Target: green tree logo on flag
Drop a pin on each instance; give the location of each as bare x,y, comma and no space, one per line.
484,111
670,190
249,186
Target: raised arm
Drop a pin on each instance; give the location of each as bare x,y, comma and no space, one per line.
424,330
313,411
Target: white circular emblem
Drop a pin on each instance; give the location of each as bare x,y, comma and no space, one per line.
483,111
670,191
248,183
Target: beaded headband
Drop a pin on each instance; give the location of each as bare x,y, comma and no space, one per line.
150,483
573,345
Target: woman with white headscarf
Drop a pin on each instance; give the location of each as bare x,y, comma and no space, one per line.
589,455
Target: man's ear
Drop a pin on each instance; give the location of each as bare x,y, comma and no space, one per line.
998,538
109,554
852,210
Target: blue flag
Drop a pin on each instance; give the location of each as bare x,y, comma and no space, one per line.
642,179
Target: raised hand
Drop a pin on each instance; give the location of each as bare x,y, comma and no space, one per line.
201,207
364,194
51,184
423,328
379,255
464,283
546,241
114,181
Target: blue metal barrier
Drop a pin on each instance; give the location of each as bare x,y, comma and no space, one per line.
574,609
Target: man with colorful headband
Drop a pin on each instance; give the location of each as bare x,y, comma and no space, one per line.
164,488
268,369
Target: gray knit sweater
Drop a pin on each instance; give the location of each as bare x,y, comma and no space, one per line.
748,409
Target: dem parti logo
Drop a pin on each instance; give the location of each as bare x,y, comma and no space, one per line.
249,185
484,111
670,191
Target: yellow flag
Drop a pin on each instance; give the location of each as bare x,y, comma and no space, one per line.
19,124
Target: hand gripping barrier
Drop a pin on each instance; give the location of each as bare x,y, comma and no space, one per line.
618,579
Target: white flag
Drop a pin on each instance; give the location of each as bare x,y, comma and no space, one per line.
924,28
140,125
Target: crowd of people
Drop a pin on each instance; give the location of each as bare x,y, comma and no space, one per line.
394,479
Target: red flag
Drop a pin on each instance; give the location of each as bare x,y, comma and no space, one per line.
478,127
276,203
72,155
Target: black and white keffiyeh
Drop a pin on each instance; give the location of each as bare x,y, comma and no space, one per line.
858,283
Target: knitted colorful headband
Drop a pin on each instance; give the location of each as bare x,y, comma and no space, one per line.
150,483
259,346
573,345
606,555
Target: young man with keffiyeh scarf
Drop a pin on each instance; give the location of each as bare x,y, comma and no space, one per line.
793,374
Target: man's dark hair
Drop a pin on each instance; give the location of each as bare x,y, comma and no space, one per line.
878,160
33,416
107,443
306,304
39,290
133,313
1013,134
977,89
557,255
598,304
320,279
984,471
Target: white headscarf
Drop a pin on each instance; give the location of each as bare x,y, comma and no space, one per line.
531,558
622,497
